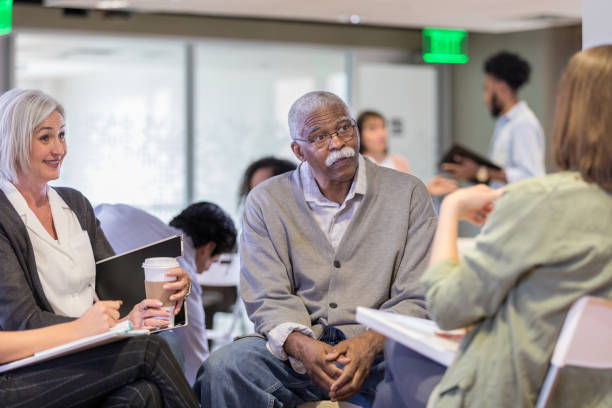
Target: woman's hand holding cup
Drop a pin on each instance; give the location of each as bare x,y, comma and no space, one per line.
166,283
147,314
181,286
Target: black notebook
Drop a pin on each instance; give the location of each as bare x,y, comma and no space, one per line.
457,150
121,277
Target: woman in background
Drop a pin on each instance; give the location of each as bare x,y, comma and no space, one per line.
261,170
50,239
137,372
373,144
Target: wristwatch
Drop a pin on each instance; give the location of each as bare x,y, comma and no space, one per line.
482,174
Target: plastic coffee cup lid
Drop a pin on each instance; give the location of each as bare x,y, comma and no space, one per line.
160,262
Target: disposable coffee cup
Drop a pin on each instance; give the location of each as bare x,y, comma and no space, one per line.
155,278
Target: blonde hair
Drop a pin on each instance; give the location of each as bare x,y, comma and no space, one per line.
582,137
21,112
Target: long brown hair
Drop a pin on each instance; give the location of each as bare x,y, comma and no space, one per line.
582,138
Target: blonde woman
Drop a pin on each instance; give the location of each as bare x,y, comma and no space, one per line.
49,237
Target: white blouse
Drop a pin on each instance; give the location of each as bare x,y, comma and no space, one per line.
66,266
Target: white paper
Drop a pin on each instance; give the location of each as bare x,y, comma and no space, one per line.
120,331
413,332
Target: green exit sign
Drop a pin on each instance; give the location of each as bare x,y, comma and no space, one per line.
6,16
446,46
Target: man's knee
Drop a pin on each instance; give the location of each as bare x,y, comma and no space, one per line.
234,359
238,365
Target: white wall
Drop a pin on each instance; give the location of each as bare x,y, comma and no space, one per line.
408,94
596,26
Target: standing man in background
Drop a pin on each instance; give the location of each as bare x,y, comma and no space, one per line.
209,233
517,145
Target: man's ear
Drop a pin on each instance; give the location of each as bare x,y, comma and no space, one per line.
210,248
203,255
504,91
297,151
205,250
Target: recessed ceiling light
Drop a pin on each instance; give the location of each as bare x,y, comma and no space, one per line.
112,4
355,19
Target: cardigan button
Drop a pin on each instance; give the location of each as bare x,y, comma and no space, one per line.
337,264
333,305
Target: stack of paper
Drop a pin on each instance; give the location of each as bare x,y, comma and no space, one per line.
413,332
120,331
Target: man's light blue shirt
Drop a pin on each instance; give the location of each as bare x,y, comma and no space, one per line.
517,145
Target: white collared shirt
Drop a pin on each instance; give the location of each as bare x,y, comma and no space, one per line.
517,145
334,219
66,267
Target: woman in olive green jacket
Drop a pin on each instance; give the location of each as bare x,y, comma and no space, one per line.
546,244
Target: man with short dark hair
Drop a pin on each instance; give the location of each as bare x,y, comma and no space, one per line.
336,233
517,145
209,232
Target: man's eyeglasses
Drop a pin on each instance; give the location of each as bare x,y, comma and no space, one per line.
346,132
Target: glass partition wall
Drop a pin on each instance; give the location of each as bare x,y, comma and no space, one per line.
159,123
126,106
243,95
124,101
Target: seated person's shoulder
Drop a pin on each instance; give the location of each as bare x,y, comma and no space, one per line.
391,180
77,202
72,196
545,185
558,190
400,163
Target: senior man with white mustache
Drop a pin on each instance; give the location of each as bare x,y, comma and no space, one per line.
336,233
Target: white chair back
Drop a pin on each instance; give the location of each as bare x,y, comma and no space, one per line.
584,341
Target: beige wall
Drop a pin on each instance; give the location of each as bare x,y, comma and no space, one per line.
6,63
546,50
216,27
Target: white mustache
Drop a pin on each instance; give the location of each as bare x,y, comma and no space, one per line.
336,155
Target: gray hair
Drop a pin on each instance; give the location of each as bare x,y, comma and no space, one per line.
21,112
308,103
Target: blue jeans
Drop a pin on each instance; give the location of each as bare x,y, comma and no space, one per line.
174,343
409,380
245,374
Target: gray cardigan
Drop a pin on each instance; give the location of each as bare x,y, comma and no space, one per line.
291,273
23,304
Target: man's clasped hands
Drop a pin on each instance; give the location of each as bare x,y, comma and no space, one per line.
342,369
